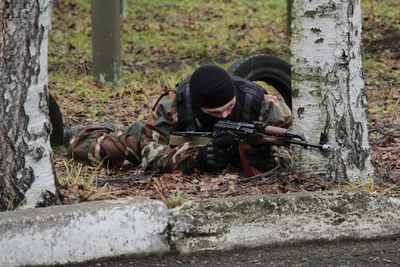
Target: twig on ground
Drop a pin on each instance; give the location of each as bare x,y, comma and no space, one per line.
156,186
385,133
229,193
118,179
276,170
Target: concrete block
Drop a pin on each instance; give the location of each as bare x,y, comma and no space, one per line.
85,231
224,224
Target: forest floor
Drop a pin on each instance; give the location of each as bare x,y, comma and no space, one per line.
162,43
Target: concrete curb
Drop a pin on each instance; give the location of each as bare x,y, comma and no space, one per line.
77,233
224,224
87,231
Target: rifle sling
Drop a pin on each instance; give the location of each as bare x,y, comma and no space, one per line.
176,140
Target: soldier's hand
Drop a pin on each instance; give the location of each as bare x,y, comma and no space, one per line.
260,157
216,155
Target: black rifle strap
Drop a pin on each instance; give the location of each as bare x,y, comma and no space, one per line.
186,120
189,111
247,107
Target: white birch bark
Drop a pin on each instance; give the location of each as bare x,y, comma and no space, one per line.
328,89
26,168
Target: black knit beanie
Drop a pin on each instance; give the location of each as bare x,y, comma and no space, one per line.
211,87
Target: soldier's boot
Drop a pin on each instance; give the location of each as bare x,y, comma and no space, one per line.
68,134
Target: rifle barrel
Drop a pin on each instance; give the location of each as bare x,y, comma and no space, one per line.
307,144
207,134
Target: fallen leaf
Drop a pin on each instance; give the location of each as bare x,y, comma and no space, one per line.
279,189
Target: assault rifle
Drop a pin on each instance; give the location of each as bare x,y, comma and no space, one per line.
256,133
247,134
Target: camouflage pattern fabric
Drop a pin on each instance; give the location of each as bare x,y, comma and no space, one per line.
146,144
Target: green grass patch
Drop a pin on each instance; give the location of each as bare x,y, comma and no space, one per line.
81,177
367,184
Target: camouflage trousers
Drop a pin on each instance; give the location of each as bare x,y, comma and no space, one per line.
97,144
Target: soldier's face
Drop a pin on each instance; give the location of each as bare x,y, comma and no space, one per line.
221,112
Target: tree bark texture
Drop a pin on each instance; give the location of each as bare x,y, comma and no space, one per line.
26,169
328,89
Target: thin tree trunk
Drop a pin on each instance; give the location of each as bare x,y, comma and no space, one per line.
26,168
328,89
288,18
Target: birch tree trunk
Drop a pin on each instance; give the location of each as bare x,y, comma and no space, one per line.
26,168
328,89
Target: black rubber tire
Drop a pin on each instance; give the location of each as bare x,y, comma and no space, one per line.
269,69
56,136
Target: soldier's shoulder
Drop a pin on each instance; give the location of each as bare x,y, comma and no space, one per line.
167,98
269,97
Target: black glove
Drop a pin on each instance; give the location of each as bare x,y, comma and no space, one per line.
260,157
216,155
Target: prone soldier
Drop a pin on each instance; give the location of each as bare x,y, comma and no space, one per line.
197,104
